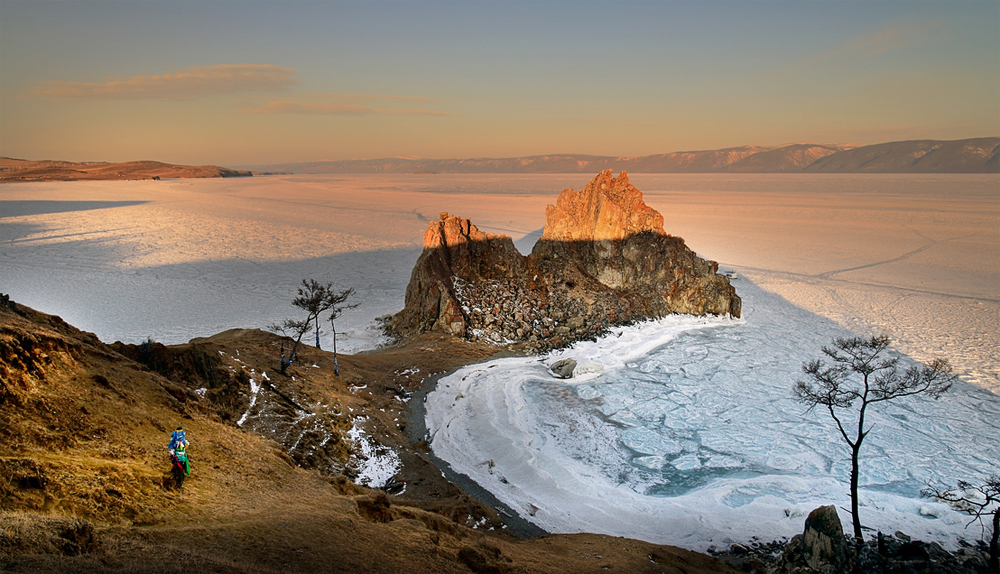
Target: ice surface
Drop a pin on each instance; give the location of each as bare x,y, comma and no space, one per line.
915,256
692,436
178,259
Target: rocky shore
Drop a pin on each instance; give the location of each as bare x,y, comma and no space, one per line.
824,548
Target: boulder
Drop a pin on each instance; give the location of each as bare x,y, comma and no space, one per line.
821,548
563,369
823,540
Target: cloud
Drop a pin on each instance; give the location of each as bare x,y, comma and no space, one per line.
894,36
204,81
348,106
194,82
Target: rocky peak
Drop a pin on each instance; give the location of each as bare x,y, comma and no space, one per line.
451,231
456,253
608,208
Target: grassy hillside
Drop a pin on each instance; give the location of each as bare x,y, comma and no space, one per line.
85,485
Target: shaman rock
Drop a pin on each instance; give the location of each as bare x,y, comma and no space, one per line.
604,259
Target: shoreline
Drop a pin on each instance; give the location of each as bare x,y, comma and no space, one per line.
416,430
768,553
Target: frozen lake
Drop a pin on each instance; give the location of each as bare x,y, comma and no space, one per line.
690,436
178,259
914,256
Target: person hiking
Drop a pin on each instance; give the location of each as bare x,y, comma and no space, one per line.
180,465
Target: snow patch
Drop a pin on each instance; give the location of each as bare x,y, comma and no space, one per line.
377,464
254,391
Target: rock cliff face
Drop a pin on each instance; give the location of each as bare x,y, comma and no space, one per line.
603,260
456,254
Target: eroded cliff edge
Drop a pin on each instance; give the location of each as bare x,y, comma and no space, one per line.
603,260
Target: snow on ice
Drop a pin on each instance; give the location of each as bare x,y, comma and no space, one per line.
691,435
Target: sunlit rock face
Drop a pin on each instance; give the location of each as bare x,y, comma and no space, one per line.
606,232
607,209
603,260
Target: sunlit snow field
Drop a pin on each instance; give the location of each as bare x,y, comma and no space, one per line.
690,436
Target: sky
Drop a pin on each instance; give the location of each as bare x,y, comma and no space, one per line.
241,82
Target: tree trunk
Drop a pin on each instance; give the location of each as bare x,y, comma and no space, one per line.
336,369
854,492
995,543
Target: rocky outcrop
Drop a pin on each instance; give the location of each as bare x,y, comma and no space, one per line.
823,541
604,259
822,547
456,254
606,237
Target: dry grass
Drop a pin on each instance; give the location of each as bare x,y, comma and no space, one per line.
85,488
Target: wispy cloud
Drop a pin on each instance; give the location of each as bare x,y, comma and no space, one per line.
344,105
204,81
893,36
194,82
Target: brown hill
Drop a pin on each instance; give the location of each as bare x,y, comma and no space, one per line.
708,161
12,170
85,485
790,158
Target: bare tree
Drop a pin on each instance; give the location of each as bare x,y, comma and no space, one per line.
977,500
314,298
337,307
861,376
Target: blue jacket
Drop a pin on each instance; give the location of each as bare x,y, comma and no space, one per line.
177,438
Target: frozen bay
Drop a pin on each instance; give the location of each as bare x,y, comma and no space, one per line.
699,441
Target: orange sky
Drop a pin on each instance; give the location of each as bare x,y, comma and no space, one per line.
269,82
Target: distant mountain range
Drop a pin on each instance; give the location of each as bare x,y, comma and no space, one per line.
977,155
